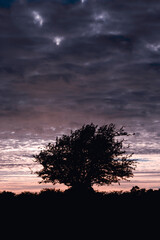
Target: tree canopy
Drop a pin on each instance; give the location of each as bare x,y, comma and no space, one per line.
89,155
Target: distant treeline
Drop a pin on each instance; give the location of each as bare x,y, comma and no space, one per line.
55,196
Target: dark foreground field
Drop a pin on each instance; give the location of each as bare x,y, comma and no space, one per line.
52,214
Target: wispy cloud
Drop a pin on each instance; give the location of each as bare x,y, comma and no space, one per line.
64,63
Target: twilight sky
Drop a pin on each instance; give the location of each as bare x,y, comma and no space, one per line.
66,63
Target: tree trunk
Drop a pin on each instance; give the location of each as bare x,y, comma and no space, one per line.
82,188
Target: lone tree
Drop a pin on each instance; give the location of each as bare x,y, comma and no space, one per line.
89,155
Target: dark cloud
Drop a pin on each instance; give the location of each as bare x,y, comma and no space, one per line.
6,3
71,62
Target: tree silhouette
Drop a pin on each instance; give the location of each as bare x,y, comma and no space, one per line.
89,155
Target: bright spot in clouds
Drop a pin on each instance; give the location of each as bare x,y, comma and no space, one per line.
102,16
57,40
37,18
154,47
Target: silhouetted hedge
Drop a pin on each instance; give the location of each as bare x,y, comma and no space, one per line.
53,196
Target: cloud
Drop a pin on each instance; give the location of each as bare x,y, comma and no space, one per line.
65,62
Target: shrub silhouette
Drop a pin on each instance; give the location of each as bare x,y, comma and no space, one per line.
89,155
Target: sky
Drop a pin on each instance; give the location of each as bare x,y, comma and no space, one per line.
68,63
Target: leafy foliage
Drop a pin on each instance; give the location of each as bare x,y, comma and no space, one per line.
89,155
